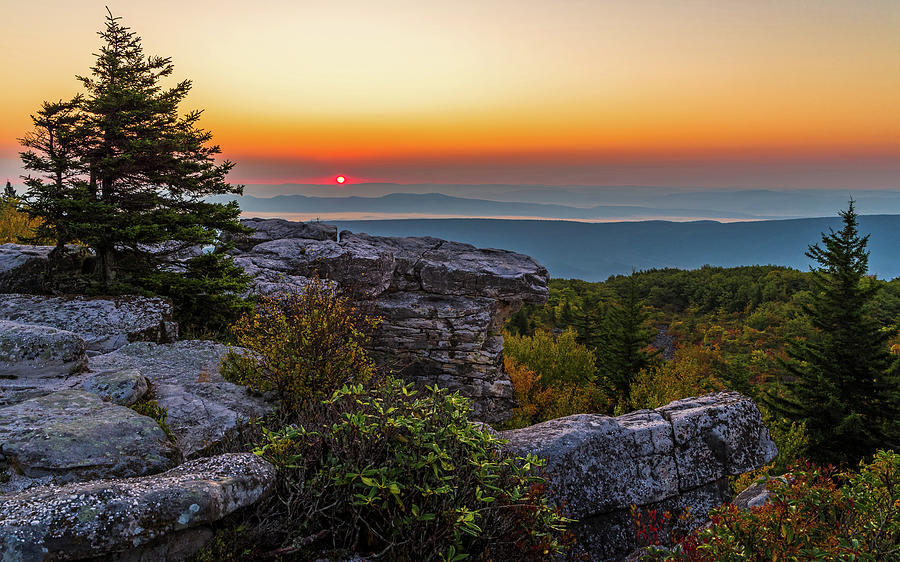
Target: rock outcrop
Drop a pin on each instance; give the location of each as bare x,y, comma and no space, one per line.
105,324
161,517
675,457
26,269
442,303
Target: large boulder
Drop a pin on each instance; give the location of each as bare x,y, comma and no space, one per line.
161,517
443,303
72,436
202,408
105,323
675,457
359,266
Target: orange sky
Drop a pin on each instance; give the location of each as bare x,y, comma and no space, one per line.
780,93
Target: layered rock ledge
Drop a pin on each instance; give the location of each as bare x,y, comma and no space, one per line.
675,457
442,303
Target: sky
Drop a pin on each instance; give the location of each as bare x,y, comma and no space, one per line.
694,93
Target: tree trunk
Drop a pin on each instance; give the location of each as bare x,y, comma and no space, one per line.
106,265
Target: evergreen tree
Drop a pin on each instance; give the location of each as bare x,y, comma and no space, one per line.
842,380
619,336
54,194
8,191
121,171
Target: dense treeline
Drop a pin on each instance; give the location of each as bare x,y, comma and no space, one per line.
718,328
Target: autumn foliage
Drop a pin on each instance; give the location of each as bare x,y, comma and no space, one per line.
303,345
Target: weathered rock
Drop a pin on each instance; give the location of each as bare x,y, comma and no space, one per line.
675,456
131,516
443,303
29,350
451,341
72,435
266,230
357,265
717,435
105,323
123,387
440,267
25,269
184,376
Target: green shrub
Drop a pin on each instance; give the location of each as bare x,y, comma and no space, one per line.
390,471
152,409
305,345
206,293
812,514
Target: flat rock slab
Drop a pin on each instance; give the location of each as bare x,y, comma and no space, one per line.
103,517
266,230
42,351
105,323
184,378
72,435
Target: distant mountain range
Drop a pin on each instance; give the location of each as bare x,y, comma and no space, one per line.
594,251
602,203
439,204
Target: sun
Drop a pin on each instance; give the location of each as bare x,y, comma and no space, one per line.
340,179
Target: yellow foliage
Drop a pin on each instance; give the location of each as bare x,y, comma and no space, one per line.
539,402
692,372
559,360
304,346
15,225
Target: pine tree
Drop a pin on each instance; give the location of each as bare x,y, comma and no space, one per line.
842,380
8,191
120,170
619,336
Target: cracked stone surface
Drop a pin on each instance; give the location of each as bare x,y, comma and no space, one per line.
131,515
442,303
677,455
184,378
105,323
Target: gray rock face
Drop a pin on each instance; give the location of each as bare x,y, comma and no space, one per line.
72,435
672,457
30,350
266,230
442,303
131,515
24,269
104,323
184,376
124,387
754,495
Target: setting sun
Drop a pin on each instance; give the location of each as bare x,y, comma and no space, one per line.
340,179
